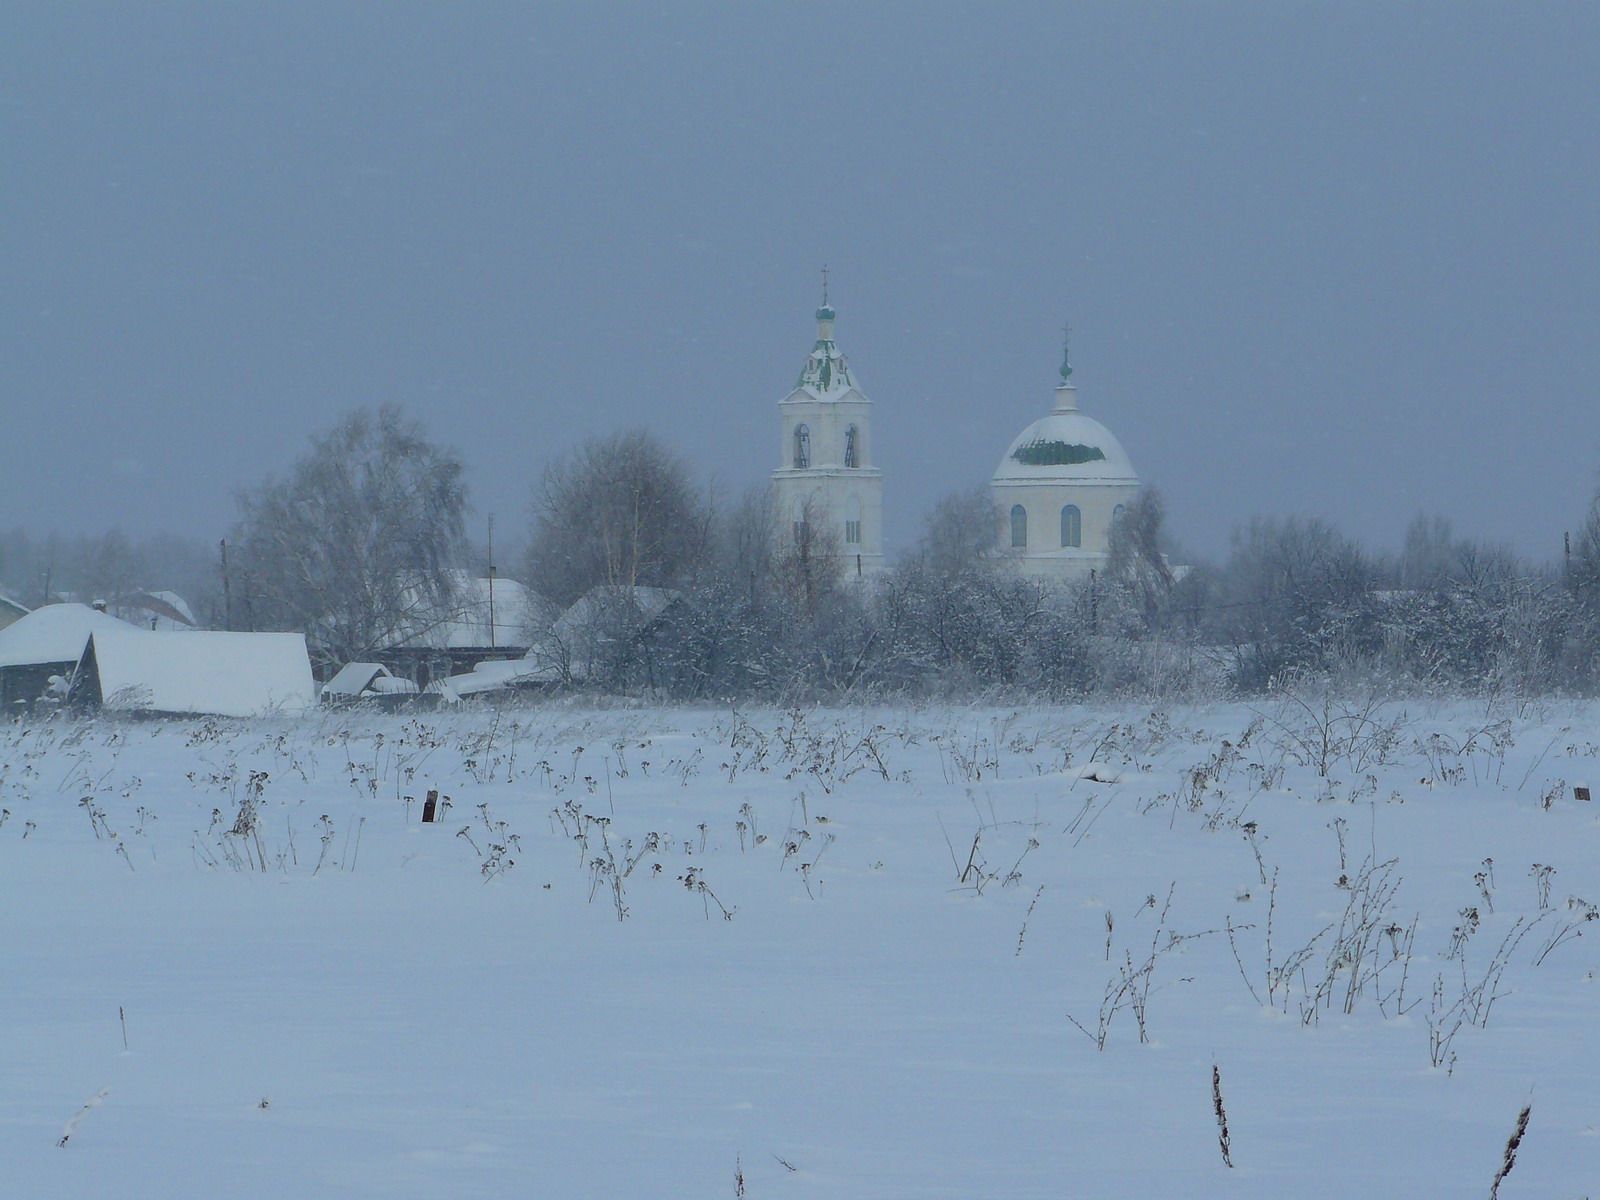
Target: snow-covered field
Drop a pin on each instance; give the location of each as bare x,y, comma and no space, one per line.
932,952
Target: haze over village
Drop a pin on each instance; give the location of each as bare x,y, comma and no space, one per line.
874,600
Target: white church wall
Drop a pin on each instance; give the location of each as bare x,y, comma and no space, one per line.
1043,502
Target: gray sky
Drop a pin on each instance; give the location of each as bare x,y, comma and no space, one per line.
1322,260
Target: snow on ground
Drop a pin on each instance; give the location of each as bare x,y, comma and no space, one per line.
967,953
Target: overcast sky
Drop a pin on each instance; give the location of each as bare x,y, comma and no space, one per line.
1326,260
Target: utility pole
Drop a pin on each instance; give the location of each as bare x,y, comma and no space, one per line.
491,581
227,590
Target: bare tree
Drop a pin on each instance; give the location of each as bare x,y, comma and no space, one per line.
110,567
1295,594
1582,651
745,541
354,547
808,567
1434,559
1136,561
623,510
1583,564
961,534
1469,614
1427,557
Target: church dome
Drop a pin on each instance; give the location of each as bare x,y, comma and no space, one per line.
1065,447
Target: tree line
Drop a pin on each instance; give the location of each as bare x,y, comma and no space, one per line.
359,543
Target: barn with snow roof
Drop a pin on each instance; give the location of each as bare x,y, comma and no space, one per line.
221,674
46,643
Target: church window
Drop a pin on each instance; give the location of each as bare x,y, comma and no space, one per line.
852,457
1071,526
852,522
1116,513
1019,526
802,447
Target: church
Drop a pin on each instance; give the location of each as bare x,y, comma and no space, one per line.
826,494
1059,488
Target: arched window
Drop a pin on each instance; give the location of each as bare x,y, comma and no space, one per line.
802,447
852,457
1116,513
1019,526
1071,526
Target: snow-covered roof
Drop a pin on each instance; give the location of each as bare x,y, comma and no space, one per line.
609,602
12,607
154,610
364,681
826,374
354,678
503,673
56,633
1065,447
226,674
566,652
465,624
833,395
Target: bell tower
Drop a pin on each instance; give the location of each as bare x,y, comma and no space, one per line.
827,495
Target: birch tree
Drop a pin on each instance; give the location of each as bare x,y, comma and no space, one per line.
355,546
623,511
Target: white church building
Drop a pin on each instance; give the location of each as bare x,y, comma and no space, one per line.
1059,488
1061,485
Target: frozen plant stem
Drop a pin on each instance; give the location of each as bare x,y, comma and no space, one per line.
72,1122
1223,1140
1512,1145
1023,932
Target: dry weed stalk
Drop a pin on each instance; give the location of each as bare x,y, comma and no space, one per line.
1224,1141
72,1122
1512,1145
1022,933
1131,986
